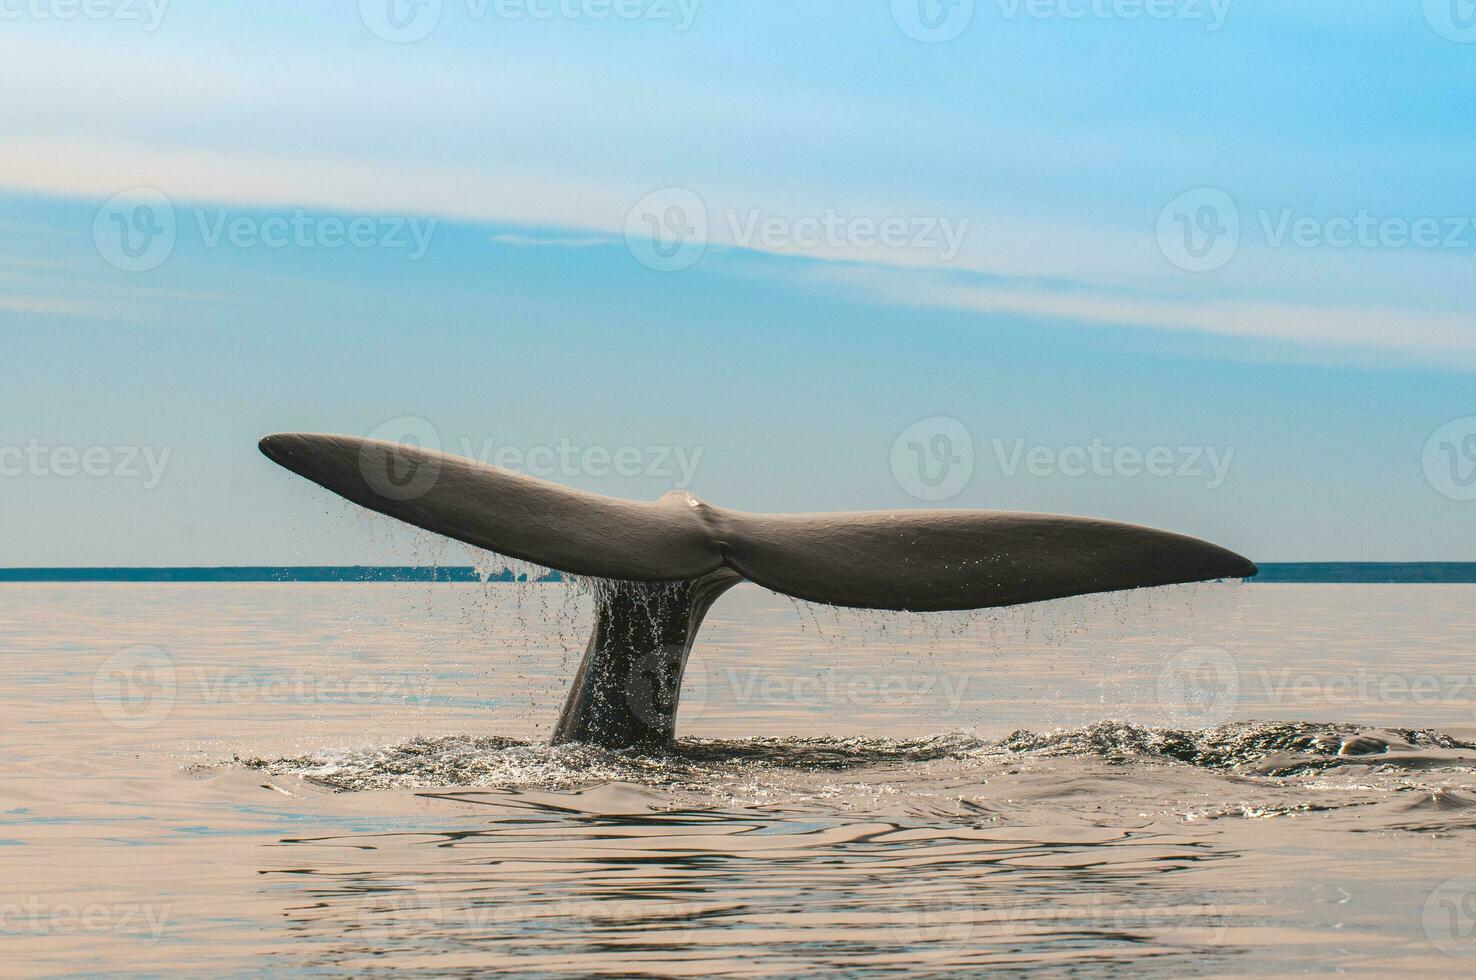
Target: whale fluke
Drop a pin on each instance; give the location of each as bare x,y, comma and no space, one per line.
496,509
930,561
676,555
919,560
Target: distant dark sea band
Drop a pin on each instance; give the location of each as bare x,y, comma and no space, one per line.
1271,572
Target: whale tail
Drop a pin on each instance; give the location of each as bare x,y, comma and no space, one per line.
918,560
681,554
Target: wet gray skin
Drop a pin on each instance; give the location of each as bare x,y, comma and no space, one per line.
667,561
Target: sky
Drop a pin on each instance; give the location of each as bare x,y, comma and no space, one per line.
1201,265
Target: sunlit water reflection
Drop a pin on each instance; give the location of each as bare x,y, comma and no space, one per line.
351,778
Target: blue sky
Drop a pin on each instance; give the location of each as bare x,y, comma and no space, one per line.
1239,232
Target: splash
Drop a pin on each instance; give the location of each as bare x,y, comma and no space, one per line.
1263,748
803,765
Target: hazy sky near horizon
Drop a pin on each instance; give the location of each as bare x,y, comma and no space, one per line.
1201,264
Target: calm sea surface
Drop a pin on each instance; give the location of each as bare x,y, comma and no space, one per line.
351,778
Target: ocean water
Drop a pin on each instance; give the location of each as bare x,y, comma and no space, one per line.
331,779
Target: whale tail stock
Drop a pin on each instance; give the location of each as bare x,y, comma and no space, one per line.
676,555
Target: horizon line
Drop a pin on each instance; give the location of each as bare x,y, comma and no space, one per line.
1306,572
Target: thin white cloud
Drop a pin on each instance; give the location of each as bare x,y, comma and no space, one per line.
84,309
553,241
1428,335
96,132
